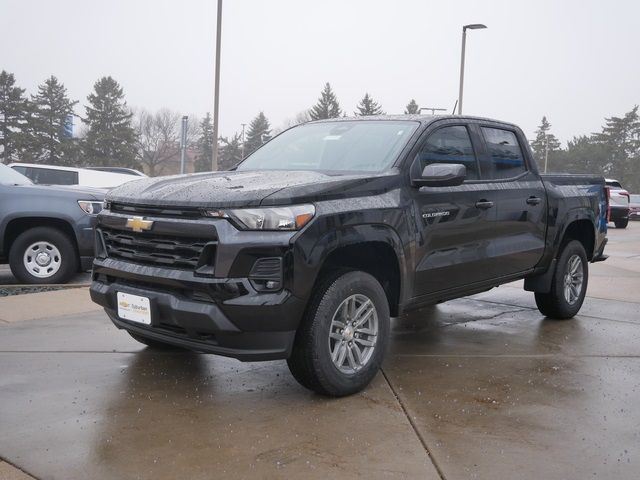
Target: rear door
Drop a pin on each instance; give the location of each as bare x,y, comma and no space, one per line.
511,182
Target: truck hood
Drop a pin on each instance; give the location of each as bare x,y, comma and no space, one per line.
240,189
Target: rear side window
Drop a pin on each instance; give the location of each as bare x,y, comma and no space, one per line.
46,176
450,145
505,155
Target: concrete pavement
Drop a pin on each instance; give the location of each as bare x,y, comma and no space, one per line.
7,278
481,387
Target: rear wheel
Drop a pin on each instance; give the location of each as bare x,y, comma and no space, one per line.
569,284
43,255
621,223
342,340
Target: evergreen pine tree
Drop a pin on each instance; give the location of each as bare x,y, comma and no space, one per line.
582,155
327,106
51,109
14,108
259,132
545,144
205,146
368,106
110,138
412,108
621,135
230,152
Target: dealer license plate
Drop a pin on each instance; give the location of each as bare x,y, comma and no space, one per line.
134,308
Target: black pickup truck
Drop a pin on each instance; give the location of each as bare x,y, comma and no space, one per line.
313,242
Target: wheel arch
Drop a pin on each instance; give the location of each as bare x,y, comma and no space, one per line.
583,230
375,249
17,226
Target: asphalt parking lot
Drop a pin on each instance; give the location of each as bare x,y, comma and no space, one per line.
481,387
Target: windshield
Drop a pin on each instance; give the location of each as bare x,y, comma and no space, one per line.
369,146
8,176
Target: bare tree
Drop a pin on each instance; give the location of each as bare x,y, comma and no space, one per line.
301,117
158,138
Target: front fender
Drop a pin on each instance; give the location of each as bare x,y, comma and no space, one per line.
313,249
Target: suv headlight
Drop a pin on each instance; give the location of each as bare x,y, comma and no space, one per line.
269,218
90,206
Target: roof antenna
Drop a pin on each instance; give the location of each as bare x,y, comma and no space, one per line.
454,108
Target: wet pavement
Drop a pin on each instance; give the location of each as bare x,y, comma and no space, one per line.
7,278
481,387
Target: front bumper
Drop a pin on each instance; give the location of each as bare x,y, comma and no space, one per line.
251,327
217,310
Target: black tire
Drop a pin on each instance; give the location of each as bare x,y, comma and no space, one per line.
67,260
154,344
310,362
621,223
555,304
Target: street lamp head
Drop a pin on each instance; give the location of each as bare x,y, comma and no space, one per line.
474,26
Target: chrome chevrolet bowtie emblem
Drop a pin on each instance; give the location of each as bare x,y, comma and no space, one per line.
138,224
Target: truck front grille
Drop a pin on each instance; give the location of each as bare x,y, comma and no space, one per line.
163,250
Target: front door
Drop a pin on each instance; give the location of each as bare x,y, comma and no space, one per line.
455,224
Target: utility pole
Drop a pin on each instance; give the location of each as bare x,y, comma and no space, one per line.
546,152
473,26
242,145
183,142
216,98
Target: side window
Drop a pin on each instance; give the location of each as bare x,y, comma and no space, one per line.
450,145
48,176
505,155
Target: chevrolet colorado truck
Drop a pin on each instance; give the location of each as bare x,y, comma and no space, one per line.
306,249
46,232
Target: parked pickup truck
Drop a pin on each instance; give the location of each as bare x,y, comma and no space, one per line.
46,232
314,241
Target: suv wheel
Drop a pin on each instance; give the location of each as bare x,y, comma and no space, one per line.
342,340
569,284
43,255
621,223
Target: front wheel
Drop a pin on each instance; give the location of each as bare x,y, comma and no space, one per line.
569,284
43,255
342,340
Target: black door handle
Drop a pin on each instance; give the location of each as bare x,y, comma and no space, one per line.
534,200
484,204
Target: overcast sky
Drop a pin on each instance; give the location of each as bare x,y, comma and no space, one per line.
574,61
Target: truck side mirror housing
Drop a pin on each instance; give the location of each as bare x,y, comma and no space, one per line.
441,175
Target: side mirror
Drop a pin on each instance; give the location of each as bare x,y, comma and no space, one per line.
441,175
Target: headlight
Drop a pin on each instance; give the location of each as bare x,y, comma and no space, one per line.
271,218
90,206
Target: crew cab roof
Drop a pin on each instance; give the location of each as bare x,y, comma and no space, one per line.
423,119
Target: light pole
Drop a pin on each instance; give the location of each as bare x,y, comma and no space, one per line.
242,145
473,26
183,142
546,152
216,99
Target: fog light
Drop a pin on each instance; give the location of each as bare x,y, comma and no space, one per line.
267,273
